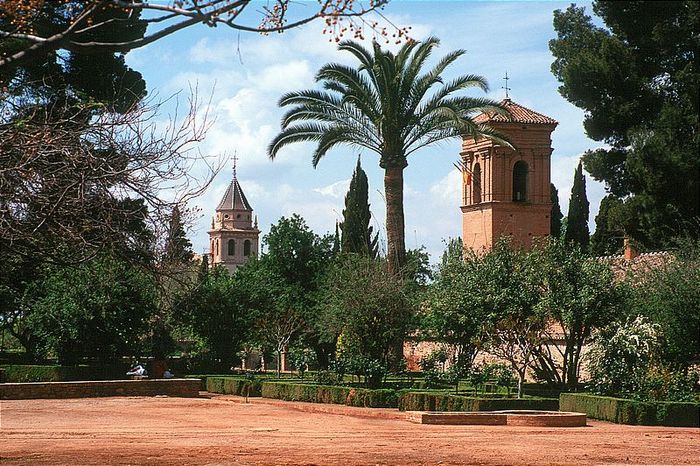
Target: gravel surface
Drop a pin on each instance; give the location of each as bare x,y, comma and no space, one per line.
224,430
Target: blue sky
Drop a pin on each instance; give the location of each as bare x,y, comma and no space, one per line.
245,88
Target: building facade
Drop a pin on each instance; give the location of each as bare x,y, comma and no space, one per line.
505,191
234,234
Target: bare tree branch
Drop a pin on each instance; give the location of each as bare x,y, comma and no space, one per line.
17,18
72,180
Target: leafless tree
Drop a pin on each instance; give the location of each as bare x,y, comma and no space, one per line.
83,19
74,181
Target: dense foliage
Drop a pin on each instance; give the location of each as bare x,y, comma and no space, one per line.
637,79
98,310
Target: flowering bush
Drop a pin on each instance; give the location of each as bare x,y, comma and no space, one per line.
624,361
621,355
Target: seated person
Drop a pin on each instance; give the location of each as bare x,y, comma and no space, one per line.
138,369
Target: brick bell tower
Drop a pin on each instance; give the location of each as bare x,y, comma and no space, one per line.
233,237
505,192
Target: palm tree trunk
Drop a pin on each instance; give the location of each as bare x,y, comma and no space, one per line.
395,234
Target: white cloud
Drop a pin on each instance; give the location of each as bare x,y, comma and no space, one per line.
335,190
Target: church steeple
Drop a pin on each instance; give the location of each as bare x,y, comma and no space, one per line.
233,236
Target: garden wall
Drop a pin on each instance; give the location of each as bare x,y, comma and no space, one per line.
625,411
145,387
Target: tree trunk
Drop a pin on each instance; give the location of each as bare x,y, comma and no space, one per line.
395,230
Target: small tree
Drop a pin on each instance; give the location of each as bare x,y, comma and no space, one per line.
369,307
509,290
577,294
455,310
221,311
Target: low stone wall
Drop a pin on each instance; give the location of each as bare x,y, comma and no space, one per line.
145,387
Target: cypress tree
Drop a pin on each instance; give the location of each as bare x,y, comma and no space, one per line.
178,249
203,272
606,240
556,216
357,235
336,241
577,223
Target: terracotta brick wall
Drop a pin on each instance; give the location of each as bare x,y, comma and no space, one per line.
146,387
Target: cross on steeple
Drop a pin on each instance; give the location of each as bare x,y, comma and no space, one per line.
235,162
506,86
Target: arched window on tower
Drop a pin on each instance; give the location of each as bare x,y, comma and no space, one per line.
520,181
246,248
476,173
231,247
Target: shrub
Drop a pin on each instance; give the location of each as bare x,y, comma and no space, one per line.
627,411
361,397
234,386
426,401
620,354
53,373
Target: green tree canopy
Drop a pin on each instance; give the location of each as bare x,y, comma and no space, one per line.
637,79
579,295
607,238
368,306
99,309
294,266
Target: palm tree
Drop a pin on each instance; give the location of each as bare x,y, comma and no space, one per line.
390,107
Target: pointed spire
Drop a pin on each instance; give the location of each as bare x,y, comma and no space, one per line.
256,221
234,197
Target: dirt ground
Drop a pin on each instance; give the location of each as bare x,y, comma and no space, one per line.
224,430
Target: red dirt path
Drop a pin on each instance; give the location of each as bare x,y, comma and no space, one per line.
223,430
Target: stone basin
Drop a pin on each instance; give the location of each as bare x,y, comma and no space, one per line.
499,418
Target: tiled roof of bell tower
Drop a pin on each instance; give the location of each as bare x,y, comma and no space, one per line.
518,114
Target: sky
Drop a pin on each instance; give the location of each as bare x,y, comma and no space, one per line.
241,76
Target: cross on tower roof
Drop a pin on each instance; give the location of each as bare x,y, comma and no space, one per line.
235,161
506,86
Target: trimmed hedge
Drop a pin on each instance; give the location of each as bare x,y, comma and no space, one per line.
425,401
15,373
234,386
626,411
360,397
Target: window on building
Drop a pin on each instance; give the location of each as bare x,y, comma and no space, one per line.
520,181
246,248
217,247
476,174
231,247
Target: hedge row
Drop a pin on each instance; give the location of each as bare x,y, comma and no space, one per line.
425,401
234,386
361,397
625,411
15,373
